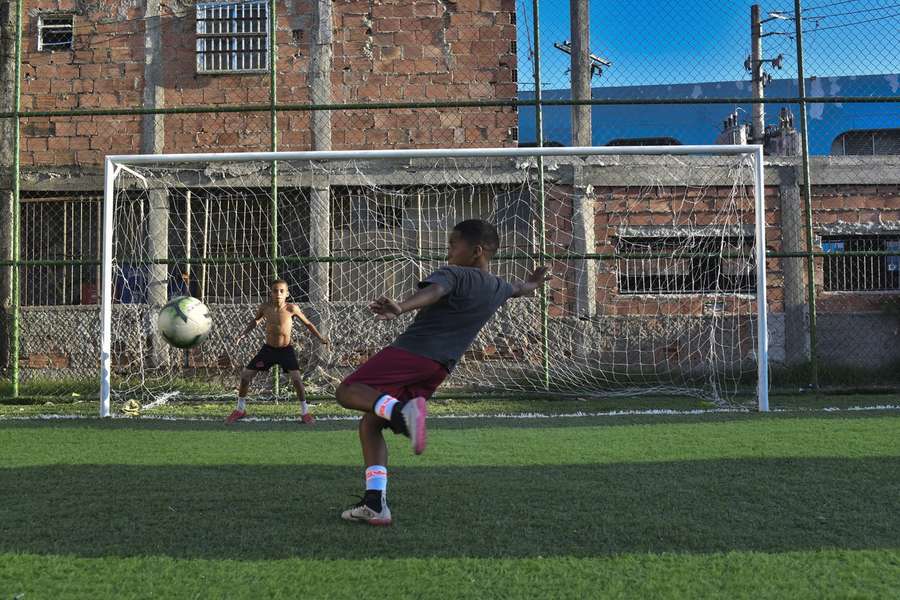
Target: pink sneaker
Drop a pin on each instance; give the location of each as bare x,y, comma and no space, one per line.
414,413
235,416
306,419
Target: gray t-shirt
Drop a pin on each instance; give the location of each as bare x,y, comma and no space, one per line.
446,329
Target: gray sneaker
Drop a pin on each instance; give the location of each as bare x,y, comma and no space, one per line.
362,513
414,413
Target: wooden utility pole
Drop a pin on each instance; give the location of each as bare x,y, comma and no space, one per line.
756,70
580,71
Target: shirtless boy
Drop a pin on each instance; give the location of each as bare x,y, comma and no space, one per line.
278,349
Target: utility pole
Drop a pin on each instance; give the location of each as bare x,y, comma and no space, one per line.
756,70
755,64
580,71
583,197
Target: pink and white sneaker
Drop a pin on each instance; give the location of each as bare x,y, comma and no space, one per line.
414,413
236,415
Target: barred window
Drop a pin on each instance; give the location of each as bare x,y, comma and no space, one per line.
867,142
861,273
232,37
686,265
64,229
56,32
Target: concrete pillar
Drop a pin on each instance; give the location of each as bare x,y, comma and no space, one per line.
583,242
796,309
152,142
320,66
153,126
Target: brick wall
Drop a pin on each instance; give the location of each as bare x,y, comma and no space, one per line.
853,210
454,50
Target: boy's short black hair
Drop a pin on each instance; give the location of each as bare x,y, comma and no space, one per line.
276,282
479,233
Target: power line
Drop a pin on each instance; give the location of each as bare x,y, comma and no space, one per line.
817,17
851,12
805,8
851,24
828,5
527,30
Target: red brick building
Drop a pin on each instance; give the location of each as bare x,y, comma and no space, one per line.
122,54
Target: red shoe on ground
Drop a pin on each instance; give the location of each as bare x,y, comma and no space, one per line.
307,419
235,416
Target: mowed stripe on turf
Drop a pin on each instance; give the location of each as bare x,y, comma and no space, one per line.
487,443
818,574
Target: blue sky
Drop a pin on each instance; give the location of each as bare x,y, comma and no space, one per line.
654,42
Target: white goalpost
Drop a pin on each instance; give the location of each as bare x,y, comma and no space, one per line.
657,254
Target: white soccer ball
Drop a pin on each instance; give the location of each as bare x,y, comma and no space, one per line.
184,322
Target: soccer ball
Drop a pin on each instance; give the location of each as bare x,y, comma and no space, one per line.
184,322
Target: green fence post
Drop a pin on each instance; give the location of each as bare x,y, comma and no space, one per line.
807,196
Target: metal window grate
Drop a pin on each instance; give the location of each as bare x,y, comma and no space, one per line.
694,265
60,228
56,32
232,37
861,273
867,142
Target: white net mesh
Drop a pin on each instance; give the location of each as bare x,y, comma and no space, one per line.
653,287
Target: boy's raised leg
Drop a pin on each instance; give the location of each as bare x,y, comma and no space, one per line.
407,418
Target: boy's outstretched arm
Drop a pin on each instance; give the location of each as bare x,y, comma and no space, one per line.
386,309
312,328
532,282
252,324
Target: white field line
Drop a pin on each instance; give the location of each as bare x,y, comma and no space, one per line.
500,416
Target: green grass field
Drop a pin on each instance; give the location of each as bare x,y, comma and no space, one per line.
791,505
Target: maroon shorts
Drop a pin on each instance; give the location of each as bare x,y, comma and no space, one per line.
401,374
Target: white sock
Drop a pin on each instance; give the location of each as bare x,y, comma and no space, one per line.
242,405
303,407
376,478
384,406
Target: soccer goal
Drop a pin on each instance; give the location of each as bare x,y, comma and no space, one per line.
657,253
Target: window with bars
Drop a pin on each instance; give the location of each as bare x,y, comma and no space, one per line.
861,273
686,265
232,37
60,228
56,32
867,142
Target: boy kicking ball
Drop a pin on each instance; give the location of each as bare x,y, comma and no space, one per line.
278,350
391,388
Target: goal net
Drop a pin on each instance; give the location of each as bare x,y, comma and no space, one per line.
657,284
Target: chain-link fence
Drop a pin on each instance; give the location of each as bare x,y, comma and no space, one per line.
816,82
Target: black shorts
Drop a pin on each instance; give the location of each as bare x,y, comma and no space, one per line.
285,357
